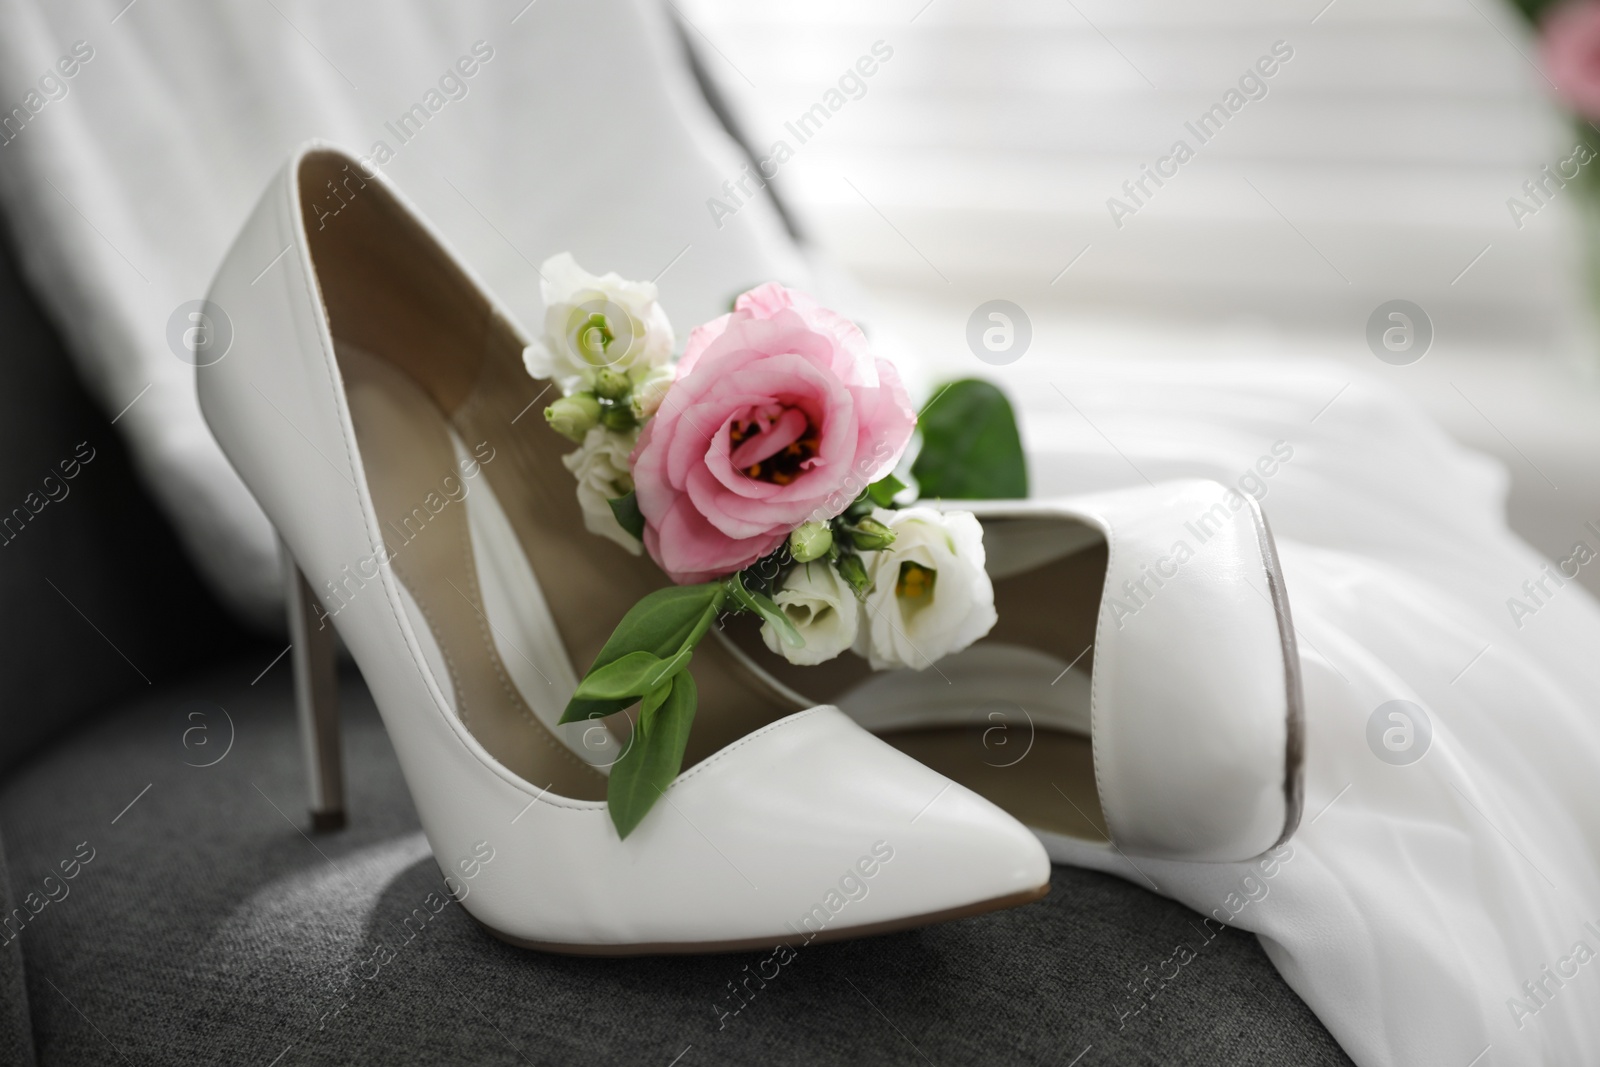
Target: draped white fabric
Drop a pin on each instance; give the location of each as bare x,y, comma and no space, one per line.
1417,899
578,129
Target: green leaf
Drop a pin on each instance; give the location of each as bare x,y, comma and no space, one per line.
853,571
654,699
707,617
662,621
662,624
632,676
970,446
620,679
764,606
882,491
655,755
580,709
1533,10
629,517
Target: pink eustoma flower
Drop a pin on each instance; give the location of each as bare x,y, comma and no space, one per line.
780,415
1570,43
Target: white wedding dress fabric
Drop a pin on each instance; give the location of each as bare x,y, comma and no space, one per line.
1416,899
1441,912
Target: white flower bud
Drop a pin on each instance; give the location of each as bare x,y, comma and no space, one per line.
601,467
810,541
611,385
930,595
822,608
650,390
573,416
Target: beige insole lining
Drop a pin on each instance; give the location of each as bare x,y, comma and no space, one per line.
588,582
442,359
1053,608
406,444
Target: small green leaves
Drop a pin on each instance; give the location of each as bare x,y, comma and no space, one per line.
970,446
1533,9
655,755
852,570
647,656
882,491
663,624
763,606
634,675
629,517
618,418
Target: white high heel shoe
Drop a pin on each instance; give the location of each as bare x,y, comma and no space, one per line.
373,401
1179,736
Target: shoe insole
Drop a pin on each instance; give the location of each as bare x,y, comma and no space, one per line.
589,582
389,290
411,466
1049,787
411,453
1052,608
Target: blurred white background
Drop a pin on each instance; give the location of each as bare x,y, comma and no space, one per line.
979,160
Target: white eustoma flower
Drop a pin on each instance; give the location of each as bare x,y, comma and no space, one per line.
929,594
649,390
594,321
601,466
822,607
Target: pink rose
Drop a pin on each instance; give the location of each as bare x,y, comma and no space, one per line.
1571,47
780,415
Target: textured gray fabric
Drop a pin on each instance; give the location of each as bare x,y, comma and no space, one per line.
208,928
100,603
16,1035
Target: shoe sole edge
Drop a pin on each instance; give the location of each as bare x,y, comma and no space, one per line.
750,944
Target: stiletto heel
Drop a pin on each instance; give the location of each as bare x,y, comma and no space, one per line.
316,698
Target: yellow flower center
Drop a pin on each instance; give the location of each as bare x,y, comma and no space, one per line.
914,587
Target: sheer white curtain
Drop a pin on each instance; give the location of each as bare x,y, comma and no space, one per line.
1374,163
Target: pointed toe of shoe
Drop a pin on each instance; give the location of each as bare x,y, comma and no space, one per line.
969,852
856,836
809,829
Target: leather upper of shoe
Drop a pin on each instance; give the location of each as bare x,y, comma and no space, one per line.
1170,596
777,826
1196,713
761,825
